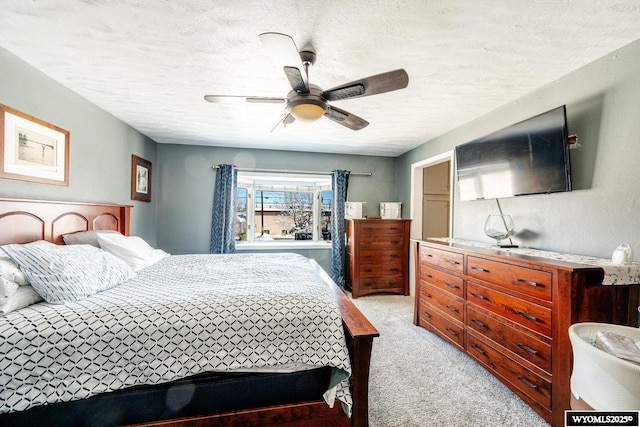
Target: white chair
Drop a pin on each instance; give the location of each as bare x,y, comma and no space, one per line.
603,381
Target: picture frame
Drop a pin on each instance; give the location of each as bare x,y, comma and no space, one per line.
32,149
140,179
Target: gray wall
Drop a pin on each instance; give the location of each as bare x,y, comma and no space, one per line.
186,180
603,109
100,145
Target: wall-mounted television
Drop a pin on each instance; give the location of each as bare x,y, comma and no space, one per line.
529,157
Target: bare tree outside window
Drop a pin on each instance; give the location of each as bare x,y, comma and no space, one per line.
240,222
297,207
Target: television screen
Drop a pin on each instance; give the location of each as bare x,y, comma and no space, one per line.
530,157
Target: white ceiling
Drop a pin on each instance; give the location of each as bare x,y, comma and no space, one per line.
149,62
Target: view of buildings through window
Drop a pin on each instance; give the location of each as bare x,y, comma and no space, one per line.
283,208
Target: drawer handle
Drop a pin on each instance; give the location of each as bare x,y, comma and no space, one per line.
480,269
476,348
528,282
425,314
527,348
451,331
478,295
527,382
427,275
527,316
451,308
451,285
479,323
426,294
450,261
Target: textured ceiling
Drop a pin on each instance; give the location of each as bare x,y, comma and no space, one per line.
149,62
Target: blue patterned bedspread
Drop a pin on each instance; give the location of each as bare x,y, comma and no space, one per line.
185,315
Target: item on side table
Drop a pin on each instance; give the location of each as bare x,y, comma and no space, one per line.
622,255
391,210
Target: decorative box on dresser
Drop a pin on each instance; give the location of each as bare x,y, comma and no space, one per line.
511,313
377,256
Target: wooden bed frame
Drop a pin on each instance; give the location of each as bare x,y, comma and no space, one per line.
23,221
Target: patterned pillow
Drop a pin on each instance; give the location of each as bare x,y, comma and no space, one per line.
68,273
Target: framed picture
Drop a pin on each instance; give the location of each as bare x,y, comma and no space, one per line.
140,179
32,149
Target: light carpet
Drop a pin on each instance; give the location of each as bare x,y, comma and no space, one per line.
418,379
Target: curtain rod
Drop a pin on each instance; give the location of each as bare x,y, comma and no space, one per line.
294,171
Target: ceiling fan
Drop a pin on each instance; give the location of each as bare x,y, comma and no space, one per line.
307,102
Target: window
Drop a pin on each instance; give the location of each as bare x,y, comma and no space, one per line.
283,207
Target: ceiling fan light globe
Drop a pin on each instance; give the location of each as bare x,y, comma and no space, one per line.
307,112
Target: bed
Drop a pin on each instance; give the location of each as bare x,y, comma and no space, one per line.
273,399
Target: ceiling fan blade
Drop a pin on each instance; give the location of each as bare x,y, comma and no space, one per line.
281,126
231,99
372,85
285,54
296,79
345,118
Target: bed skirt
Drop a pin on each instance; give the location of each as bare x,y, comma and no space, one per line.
199,395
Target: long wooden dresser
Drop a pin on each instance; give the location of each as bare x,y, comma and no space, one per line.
511,313
377,256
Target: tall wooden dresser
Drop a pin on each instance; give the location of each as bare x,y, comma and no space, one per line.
511,314
377,256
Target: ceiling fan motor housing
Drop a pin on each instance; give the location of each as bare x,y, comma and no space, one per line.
307,107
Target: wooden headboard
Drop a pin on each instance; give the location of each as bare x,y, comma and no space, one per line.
23,220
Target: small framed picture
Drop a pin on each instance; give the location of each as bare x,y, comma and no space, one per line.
32,149
140,179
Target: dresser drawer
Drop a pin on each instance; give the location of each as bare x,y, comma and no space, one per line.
431,319
425,313
522,279
521,378
443,259
447,282
449,305
382,228
526,346
390,256
532,316
377,242
376,270
390,283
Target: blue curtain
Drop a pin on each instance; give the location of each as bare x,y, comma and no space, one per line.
339,184
223,239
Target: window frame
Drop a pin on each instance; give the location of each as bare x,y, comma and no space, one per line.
254,182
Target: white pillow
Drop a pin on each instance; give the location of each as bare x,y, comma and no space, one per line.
131,249
62,273
7,289
10,271
23,297
89,237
